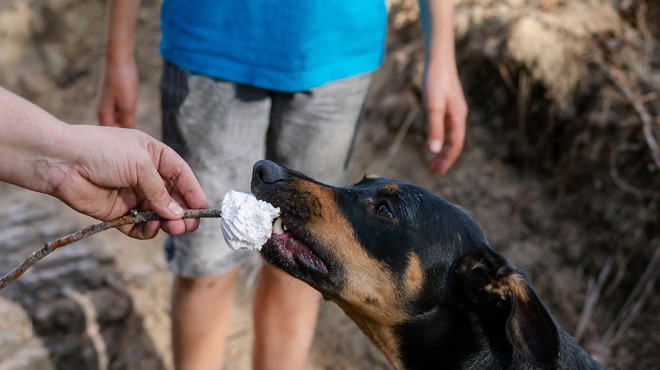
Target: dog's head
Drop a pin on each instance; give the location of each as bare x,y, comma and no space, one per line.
399,261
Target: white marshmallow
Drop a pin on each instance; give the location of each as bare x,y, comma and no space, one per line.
247,222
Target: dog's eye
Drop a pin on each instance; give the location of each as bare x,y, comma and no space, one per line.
383,210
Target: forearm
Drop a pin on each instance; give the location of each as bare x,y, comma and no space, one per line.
437,22
117,99
35,147
120,29
444,102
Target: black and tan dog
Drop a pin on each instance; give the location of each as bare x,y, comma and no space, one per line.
414,272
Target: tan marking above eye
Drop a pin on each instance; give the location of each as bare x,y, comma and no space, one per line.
389,189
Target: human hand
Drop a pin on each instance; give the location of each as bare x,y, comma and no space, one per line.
446,111
117,99
115,170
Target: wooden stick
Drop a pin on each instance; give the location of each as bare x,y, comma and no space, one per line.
398,140
134,217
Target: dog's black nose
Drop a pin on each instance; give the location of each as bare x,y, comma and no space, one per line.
267,172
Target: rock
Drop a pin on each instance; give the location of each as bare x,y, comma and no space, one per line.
20,348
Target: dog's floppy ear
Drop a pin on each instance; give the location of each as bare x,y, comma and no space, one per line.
489,280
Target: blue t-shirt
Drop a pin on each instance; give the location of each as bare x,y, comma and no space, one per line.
282,45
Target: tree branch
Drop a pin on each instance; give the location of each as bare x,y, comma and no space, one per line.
134,217
616,76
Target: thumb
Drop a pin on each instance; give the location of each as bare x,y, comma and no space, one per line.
154,191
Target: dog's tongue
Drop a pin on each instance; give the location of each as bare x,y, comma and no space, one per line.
292,250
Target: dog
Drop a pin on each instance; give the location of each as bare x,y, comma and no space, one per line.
414,272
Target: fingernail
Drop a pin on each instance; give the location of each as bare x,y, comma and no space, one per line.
175,208
435,146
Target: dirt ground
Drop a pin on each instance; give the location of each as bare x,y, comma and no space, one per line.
55,61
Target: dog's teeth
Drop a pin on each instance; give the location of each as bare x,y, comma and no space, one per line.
277,227
284,227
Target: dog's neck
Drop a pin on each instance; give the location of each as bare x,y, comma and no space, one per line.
382,335
440,338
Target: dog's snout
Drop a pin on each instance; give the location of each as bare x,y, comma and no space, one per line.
267,172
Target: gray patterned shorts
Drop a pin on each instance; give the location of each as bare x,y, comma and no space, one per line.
222,128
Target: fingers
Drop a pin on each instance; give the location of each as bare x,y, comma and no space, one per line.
149,229
127,118
125,113
153,189
167,185
105,112
191,224
145,230
436,128
183,185
178,227
454,128
437,142
150,183
441,162
117,100
184,189
120,115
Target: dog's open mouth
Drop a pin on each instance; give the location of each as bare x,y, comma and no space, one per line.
291,253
